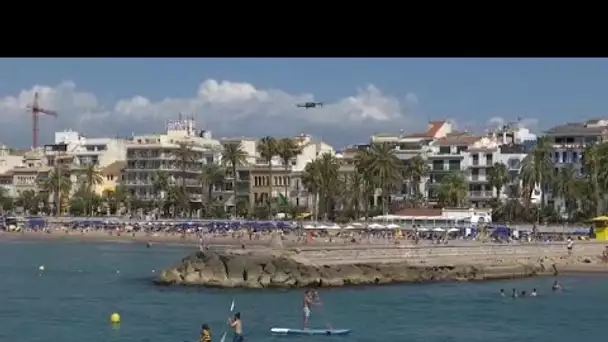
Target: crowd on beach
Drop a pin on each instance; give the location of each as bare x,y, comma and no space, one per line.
259,232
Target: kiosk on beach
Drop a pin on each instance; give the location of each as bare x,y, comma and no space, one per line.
600,228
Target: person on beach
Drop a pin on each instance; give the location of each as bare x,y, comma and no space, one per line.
533,293
237,325
569,245
205,334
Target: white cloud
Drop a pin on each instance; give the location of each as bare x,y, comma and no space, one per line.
224,107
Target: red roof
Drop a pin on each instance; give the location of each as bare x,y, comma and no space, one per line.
435,126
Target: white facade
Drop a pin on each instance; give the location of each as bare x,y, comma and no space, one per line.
100,152
148,154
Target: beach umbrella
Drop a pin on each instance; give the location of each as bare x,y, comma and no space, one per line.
423,229
376,226
393,226
322,226
349,227
438,229
309,226
452,230
334,226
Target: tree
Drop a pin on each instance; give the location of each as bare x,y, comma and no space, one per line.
537,170
383,167
211,176
187,158
161,185
90,178
287,149
498,177
453,190
417,170
566,187
234,157
268,150
59,185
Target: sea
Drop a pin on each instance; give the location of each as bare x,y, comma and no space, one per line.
84,283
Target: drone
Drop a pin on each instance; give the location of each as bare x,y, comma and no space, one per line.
309,105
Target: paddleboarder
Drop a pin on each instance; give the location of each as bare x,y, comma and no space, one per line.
237,325
205,334
310,298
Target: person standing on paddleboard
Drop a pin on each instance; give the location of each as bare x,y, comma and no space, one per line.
310,298
237,325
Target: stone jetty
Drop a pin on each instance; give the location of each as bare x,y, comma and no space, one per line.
351,265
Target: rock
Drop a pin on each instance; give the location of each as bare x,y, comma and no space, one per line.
286,269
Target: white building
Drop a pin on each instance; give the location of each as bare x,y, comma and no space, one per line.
99,152
148,154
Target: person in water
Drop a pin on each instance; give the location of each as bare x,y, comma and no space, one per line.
237,325
502,292
514,294
523,293
205,333
533,293
556,286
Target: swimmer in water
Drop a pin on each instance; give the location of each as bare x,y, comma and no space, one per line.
533,293
556,286
523,293
514,294
502,292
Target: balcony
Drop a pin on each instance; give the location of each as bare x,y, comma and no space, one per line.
481,194
478,178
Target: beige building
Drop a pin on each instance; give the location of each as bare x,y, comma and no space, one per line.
148,154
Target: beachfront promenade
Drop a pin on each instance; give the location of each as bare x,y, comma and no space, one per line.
442,254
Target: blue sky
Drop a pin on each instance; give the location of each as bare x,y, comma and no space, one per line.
470,91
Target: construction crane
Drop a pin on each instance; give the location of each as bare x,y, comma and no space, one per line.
36,110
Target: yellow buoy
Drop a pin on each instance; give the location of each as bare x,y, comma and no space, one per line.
115,318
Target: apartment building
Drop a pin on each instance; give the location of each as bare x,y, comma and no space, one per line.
148,154
99,152
285,176
569,142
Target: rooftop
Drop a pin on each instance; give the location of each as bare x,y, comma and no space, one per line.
591,127
460,140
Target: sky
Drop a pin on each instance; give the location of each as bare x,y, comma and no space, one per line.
258,97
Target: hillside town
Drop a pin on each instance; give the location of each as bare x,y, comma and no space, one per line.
187,173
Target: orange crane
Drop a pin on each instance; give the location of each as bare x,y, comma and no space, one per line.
35,109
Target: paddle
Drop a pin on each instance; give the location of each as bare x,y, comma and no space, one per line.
223,339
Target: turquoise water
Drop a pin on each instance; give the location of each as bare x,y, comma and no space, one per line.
80,288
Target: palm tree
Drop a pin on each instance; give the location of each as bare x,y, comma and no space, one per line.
567,187
90,178
595,164
381,163
417,170
234,157
353,192
212,175
28,200
321,178
161,185
453,190
311,180
268,149
187,157
537,170
498,177
59,185
287,149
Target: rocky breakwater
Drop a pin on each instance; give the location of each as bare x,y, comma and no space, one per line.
285,270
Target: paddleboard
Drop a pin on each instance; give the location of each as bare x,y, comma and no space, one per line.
327,332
